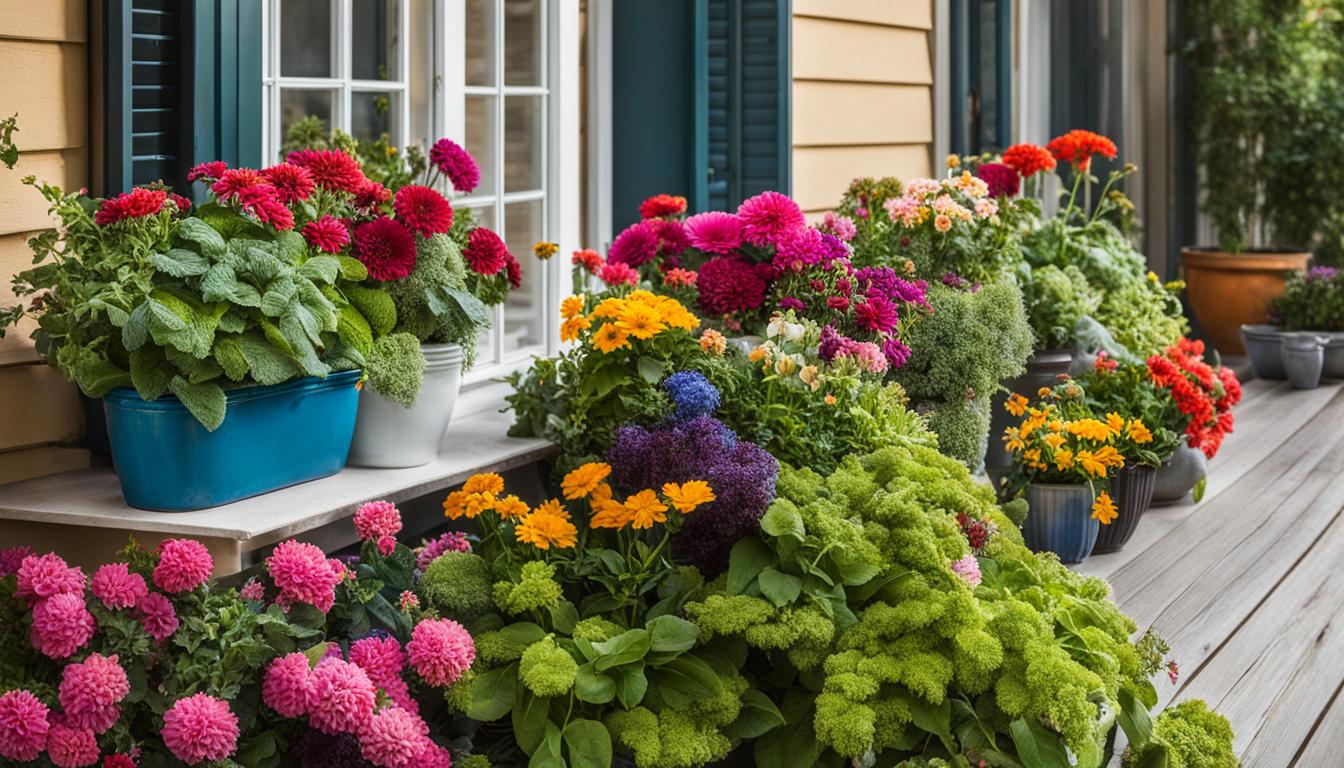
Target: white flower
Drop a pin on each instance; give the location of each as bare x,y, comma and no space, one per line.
793,331
776,326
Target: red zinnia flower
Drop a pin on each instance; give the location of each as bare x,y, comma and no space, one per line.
130,205
422,209
386,247
876,314
262,202
658,206
729,285
330,168
371,194
588,259
514,271
617,273
1001,179
327,234
211,170
292,182
1078,146
456,163
637,244
1028,159
182,203
486,254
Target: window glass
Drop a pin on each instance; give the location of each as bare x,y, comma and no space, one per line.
373,114
296,103
479,114
480,42
374,25
525,310
305,38
522,42
523,142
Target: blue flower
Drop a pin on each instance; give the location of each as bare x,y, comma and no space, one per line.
692,395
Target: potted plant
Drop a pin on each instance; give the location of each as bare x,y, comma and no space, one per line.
1204,393
222,339
1312,303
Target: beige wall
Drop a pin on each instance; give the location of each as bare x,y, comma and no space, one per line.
44,58
862,94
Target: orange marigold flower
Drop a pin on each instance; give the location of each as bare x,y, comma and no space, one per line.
1054,440
544,530
1139,432
1091,429
1090,464
553,507
608,513
487,482
829,399
1016,404
713,342
1064,459
572,327
1103,509
1012,439
689,495
1108,455
1115,421
571,306
511,506
610,338
581,482
646,509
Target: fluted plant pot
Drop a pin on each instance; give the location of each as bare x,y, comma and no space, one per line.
390,435
1263,343
1303,356
1179,474
1059,520
1132,492
1043,368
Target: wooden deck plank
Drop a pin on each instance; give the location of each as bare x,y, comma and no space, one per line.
1326,743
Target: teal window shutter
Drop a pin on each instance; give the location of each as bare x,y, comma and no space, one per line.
181,85
980,69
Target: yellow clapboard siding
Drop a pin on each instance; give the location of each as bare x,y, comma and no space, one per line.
824,49
915,14
45,84
821,174
15,256
891,114
22,208
44,460
60,20
41,407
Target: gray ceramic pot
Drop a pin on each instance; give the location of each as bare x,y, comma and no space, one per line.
1303,356
1042,369
1179,474
1132,491
1333,365
389,435
1059,520
1262,346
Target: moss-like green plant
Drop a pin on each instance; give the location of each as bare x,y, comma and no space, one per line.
1056,300
457,584
396,368
1190,736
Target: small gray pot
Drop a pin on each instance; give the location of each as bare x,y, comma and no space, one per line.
1262,346
1333,366
1303,356
390,435
1179,474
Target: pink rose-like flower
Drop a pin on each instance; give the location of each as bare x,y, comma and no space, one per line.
47,576
23,725
287,685
253,590
117,587
184,564
767,217
157,616
452,541
615,273
394,738
200,728
383,661
374,519
968,568
441,650
12,558
302,573
119,761
61,626
69,747
342,697
91,690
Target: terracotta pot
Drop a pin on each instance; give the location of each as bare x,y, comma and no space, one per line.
1229,290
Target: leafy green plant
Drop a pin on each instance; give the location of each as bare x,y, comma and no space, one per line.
1056,300
1313,301
9,154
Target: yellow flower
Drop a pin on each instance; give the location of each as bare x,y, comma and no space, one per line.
811,376
1107,455
689,495
511,506
544,530
1054,440
1103,509
1091,465
1055,425
571,328
455,505
1016,405
642,296
467,503
608,513
1139,433
1012,440
572,306
1043,392
581,482
609,309
758,354
713,342
1116,422
488,482
641,321
785,366
610,338
1064,459
1032,455
645,509
953,161
544,250
1091,429
553,507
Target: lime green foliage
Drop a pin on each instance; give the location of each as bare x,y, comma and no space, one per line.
1056,300
473,761
547,669
535,589
680,738
962,428
596,629
396,368
1144,316
457,585
1190,736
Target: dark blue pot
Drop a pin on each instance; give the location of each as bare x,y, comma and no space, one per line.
1060,520
272,437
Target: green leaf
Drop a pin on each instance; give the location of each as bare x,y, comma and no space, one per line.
783,520
279,295
856,572
375,305
564,616
588,743
593,686
1037,746
97,376
136,330
780,588
228,352
548,754
631,684
353,329
352,269
197,231
180,262
321,269
492,694
530,717
466,303
934,718
672,634
150,372
758,716
684,680
747,559
1198,493
1134,719
630,645
523,632
652,370
267,364
205,401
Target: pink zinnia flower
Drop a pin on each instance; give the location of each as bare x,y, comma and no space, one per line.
671,236
91,690
840,226
157,616
238,180
253,590
23,725
876,314
896,351
377,518
588,259
456,163
636,244
184,564
441,650
302,573
386,545
382,660
137,203
485,252
293,183
618,274
728,284
326,234
117,587
769,216
207,171
330,168
71,747
452,541
968,568
287,685
513,271
423,210
679,278
797,249
12,558
714,232
47,576
342,697
394,738
119,761
409,601
386,247
200,728
61,626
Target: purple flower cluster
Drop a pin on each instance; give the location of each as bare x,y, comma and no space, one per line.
741,474
885,282
692,395
1321,273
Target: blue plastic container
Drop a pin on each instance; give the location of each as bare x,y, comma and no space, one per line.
1059,520
272,437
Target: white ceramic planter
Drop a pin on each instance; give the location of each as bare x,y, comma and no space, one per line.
388,434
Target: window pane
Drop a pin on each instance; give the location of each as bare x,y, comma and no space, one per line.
420,78
485,343
295,104
523,141
522,42
373,114
523,311
481,139
305,38
374,32
480,38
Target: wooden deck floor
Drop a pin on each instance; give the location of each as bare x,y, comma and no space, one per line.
1248,585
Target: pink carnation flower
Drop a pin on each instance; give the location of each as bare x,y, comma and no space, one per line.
70,747
117,587
61,626
47,576
200,728
441,650
12,558
768,217
616,273
341,699
91,690
287,685
303,575
157,616
968,568
253,590
387,545
452,541
23,726
184,564
394,738
714,232
375,519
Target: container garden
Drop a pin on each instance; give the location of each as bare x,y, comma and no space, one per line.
273,437
1132,491
1229,290
1043,367
1059,520
1179,474
390,435
1303,356
1262,344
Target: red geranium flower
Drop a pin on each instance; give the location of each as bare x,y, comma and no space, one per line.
618,273
327,234
1078,146
210,171
263,202
130,205
292,183
182,203
422,209
486,254
331,168
588,259
1203,394
658,206
386,247
1028,159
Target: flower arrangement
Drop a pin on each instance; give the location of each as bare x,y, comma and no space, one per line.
1203,392
1313,301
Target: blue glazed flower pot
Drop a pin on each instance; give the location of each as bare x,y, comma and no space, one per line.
272,437
1059,520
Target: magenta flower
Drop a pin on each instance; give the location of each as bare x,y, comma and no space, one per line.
91,691
1001,179
327,234
12,558
728,284
303,575
341,699
287,685
375,519
394,738
456,163
61,626
876,314
452,541
714,232
637,244
117,587
768,217
441,650
71,747
184,564
47,576
200,728
23,725
157,616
